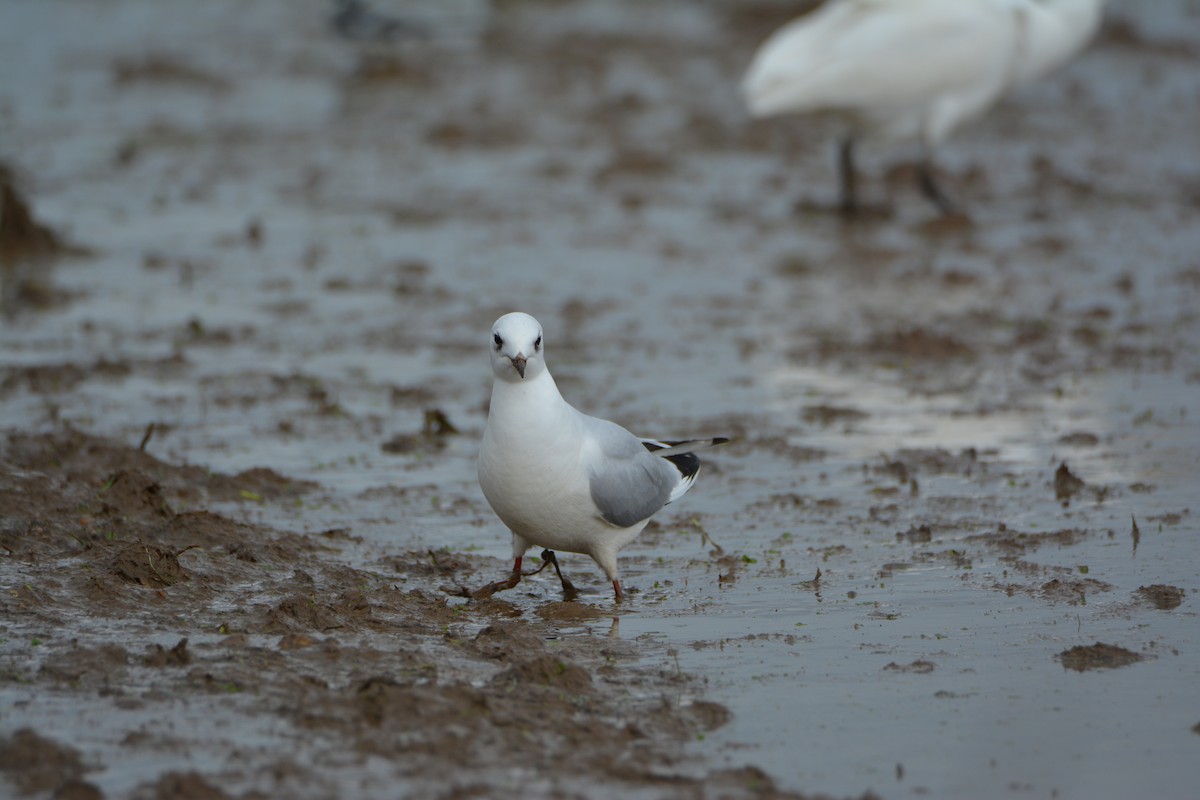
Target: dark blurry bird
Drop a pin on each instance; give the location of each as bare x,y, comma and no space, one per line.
912,69
357,21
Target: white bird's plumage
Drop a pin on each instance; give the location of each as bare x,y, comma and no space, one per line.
558,478
913,69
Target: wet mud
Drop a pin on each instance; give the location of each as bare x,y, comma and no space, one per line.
1097,656
452,695
249,255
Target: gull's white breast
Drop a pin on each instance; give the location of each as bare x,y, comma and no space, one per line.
532,473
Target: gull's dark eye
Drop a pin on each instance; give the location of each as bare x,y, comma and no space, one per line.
537,343
499,342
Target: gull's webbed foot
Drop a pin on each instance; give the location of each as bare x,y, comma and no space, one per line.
490,589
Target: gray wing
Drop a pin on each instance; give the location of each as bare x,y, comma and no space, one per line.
627,483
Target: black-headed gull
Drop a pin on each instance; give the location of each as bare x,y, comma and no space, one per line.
562,480
912,69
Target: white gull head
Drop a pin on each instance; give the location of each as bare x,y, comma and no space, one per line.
516,349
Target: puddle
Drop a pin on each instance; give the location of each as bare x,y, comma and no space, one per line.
296,241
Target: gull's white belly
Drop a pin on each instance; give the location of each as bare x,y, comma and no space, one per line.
535,468
543,496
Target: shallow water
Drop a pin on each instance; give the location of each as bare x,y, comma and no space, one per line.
294,259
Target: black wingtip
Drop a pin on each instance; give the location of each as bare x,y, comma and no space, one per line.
688,464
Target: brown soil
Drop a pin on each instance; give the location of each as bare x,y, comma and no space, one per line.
36,764
22,237
300,239
918,667
1161,596
1097,656
26,247
93,527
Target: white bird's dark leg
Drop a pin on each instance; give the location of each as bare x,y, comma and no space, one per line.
927,180
545,563
499,586
569,590
849,177
617,593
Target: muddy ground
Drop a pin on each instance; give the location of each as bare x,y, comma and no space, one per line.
273,631
250,254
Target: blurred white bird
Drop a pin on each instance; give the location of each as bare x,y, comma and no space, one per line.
912,69
563,480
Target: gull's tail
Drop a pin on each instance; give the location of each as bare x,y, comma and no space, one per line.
666,449
682,454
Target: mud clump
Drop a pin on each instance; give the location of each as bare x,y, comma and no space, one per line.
148,565
1066,484
1161,596
634,164
180,786
503,640
1008,540
37,764
73,789
1079,439
1097,656
918,667
708,715
304,613
131,493
549,671
165,71
397,706
205,529
22,237
920,344
907,464
138,480
827,415
259,485
86,666
27,248
1075,592
433,435
917,534
177,656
